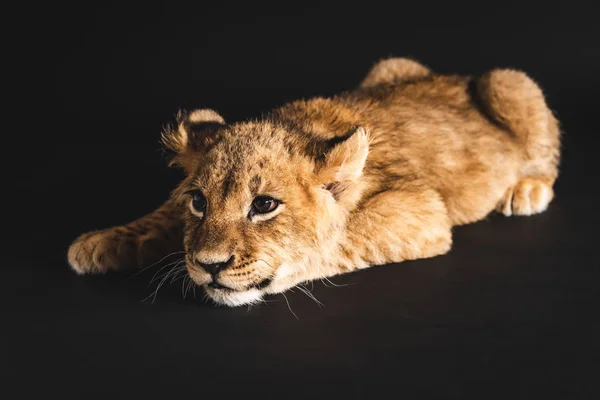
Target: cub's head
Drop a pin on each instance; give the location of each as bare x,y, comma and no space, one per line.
264,203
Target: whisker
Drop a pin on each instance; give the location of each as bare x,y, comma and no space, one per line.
335,284
154,277
205,297
184,285
177,276
162,282
270,266
289,307
188,286
171,273
156,263
310,295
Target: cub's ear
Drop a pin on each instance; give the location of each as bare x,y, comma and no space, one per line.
192,129
344,163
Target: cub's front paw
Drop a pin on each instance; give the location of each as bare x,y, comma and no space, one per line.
100,251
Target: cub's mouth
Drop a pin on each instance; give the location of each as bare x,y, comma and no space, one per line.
216,285
225,289
231,297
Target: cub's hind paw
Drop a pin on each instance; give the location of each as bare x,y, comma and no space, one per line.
529,196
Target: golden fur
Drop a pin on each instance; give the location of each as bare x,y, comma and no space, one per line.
375,175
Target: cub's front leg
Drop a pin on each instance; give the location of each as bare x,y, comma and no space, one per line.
131,246
403,223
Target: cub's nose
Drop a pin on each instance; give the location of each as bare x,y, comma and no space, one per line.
214,268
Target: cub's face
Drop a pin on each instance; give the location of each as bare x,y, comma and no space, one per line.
259,213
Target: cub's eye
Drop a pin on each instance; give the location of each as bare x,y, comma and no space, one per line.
264,204
198,200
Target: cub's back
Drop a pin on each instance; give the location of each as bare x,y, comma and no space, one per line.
435,128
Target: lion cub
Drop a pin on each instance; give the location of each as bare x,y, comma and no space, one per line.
376,175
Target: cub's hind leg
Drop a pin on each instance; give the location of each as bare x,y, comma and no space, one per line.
131,246
516,102
394,70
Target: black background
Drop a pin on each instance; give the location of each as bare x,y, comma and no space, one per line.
511,312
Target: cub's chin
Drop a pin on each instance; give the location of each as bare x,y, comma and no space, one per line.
234,298
226,296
